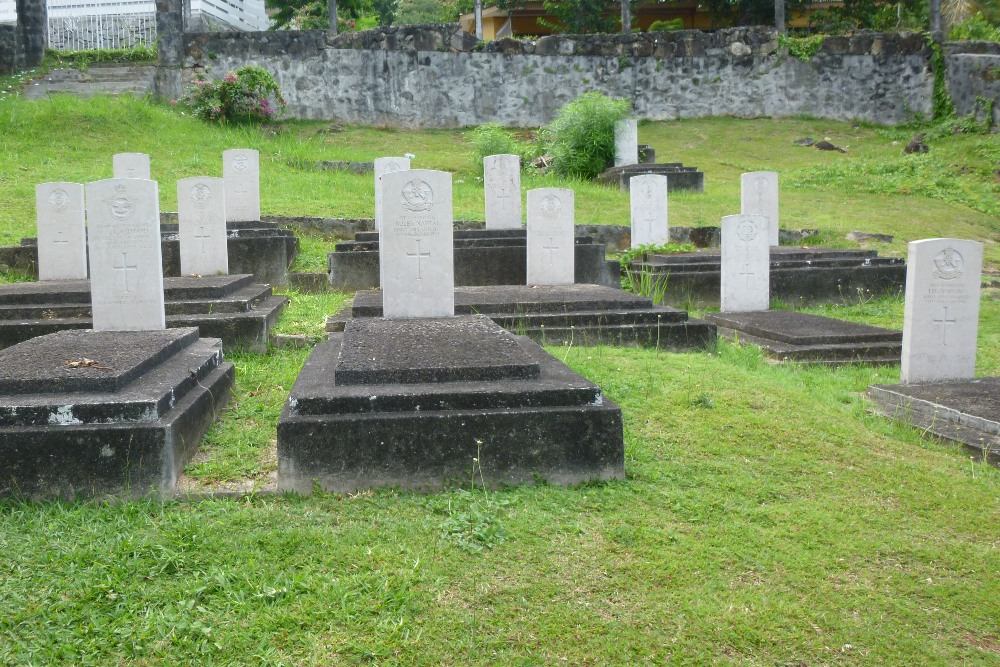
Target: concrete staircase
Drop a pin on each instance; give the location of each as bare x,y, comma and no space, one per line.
95,80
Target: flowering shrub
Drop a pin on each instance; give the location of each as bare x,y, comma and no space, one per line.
248,95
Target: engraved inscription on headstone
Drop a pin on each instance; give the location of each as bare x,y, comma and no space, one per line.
241,174
131,165
759,196
551,237
201,221
648,193
415,244
62,240
126,274
626,142
382,166
941,316
745,264
502,174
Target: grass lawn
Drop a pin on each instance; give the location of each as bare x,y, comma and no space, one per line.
767,516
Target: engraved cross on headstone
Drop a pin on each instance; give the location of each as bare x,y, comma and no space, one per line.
944,322
551,248
747,272
202,236
125,268
418,255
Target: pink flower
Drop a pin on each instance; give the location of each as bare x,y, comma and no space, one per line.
230,77
173,103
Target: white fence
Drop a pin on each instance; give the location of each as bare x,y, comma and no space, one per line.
118,24
102,31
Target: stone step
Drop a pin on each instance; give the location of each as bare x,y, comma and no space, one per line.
592,318
885,353
691,334
95,80
248,329
77,292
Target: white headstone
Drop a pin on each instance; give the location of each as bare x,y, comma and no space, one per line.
626,142
62,238
551,237
126,270
648,194
759,196
502,186
745,266
941,316
383,166
241,173
201,222
415,244
131,165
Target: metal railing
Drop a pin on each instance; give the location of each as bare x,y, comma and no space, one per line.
101,31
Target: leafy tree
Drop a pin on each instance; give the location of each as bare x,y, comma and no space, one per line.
314,14
412,12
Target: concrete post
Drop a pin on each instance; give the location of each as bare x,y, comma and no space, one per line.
935,10
170,32
478,9
333,18
779,16
626,16
33,28
169,48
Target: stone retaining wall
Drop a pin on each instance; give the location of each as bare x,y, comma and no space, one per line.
431,76
974,74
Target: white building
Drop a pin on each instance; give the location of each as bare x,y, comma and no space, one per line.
113,24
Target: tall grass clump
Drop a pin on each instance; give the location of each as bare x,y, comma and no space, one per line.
495,139
581,139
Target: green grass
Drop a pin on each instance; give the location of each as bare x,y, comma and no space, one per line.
767,516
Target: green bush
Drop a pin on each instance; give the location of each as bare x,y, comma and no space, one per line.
495,139
975,28
581,139
248,95
666,26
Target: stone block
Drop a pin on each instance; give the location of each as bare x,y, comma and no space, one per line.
787,335
798,276
574,314
231,308
963,411
94,414
555,425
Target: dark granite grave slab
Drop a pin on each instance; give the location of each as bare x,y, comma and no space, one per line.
966,412
409,351
578,314
232,308
482,257
799,276
556,426
678,176
59,361
786,335
130,434
262,250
